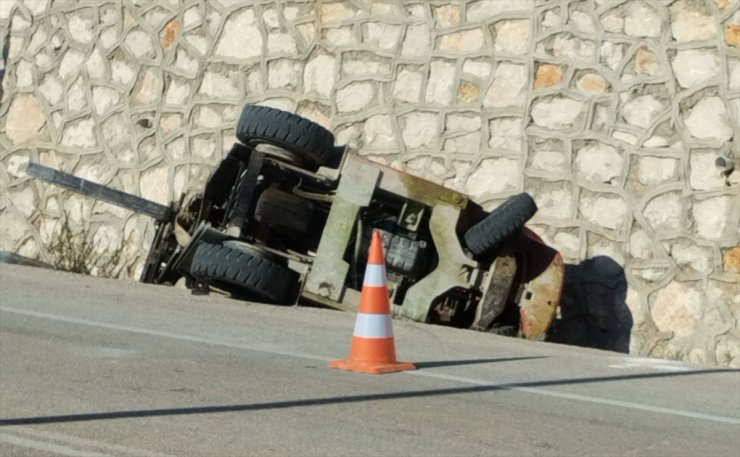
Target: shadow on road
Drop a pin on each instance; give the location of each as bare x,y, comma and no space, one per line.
338,400
594,311
452,363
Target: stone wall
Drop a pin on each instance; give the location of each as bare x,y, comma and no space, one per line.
610,112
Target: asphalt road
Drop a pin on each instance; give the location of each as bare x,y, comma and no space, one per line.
92,367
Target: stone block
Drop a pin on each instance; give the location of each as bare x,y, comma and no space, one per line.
611,54
319,75
688,255
420,129
366,64
149,89
456,123
338,36
712,217
646,62
467,144
354,97
505,133
462,41
691,21
554,199
284,74
592,84
598,163
708,120
547,75
641,111
640,245
447,15
407,86
655,170
96,66
123,71
582,21
177,92
417,42
482,10
241,37
606,210
441,84
139,43
384,36
694,66
731,260
507,88
556,112
494,176
512,37
703,174
481,69
80,133
664,213
104,98
567,46
732,34
676,308
641,20
191,17
71,63
25,119
336,12
378,132
468,92
281,43
151,184
25,201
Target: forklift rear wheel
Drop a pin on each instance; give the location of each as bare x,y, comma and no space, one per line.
242,270
306,139
501,223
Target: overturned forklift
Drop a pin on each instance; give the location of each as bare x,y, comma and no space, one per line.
287,216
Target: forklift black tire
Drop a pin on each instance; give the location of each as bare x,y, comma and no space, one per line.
243,271
501,223
262,124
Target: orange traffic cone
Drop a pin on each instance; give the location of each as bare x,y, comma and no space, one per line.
373,345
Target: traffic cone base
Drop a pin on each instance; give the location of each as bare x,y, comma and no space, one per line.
373,347
371,367
372,355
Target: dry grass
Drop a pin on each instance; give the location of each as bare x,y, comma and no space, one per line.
75,251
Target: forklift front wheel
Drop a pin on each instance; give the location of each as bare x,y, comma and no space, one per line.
242,270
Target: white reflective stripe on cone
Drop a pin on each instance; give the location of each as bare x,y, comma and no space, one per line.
373,326
375,275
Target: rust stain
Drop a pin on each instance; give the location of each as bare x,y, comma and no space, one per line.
547,75
541,299
170,33
723,4
469,92
731,261
645,61
732,35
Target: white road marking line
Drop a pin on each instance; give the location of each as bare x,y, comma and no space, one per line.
655,364
583,398
47,447
69,440
176,336
425,373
